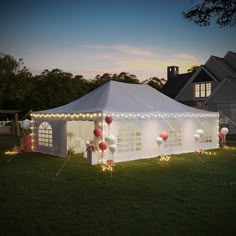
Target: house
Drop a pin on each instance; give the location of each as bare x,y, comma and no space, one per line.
212,87
139,115
171,88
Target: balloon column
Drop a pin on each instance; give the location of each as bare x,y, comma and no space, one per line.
103,146
223,132
110,139
162,137
198,134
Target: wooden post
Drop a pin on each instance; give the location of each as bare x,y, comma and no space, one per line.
17,124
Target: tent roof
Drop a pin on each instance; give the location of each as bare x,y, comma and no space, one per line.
116,97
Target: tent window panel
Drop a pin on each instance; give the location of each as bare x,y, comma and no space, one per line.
129,139
207,136
45,134
174,136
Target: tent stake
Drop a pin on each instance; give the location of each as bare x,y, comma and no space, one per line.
67,159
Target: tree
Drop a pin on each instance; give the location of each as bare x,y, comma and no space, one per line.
53,88
16,81
223,11
193,69
155,82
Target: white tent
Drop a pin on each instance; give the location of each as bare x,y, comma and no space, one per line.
139,114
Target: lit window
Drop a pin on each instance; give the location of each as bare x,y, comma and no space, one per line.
202,90
45,134
129,139
197,90
174,135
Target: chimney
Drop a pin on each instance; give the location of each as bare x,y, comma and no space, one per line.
172,71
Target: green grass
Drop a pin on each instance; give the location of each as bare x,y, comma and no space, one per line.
184,196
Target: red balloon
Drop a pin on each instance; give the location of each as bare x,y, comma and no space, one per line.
108,119
164,136
221,135
97,132
103,146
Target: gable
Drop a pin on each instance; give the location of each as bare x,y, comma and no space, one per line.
202,76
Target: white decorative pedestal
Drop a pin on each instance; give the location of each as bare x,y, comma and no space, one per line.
92,158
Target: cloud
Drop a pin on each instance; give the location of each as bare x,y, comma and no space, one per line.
121,48
184,56
158,67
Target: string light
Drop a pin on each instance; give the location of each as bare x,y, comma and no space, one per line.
10,153
164,158
151,115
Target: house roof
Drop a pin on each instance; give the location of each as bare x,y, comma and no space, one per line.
217,68
230,58
9,111
220,67
173,86
117,97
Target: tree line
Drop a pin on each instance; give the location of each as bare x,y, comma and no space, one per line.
20,90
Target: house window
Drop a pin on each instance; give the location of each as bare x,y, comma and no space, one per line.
129,139
174,135
45,134
202,90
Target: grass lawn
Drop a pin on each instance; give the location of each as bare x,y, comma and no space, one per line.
185,196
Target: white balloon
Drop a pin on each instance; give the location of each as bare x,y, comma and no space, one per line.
225,130
110,139
200,132
159,140
196,137
26,124
112,148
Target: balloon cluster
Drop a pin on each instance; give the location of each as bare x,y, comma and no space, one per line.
162,137
109,140
223,132
199,133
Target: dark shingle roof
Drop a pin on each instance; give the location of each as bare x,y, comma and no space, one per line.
173,86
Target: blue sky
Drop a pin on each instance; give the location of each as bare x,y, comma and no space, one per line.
91,37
